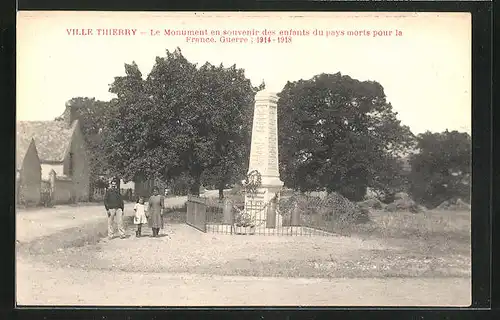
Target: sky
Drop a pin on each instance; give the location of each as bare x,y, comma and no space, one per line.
425,71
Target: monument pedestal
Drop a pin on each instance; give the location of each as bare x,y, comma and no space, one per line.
264,159
258,204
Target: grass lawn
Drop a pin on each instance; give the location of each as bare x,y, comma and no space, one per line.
435,231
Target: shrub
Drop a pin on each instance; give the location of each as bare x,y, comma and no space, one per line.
353,191
243,219
401,196
371,204
388,197
454,204
346,211
404,204
333,208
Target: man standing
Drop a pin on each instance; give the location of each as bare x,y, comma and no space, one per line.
113,202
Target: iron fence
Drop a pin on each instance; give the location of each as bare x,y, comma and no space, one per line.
297,215
257,217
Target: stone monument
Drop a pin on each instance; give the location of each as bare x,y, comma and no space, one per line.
264,157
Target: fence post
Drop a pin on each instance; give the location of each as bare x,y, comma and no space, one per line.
194,209
195,215
271,214
228,211
203,217
191,212
295,217
188,211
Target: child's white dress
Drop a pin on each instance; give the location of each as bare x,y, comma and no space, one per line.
140,214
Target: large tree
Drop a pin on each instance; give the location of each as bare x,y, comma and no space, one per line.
339,134
135,140
442,168
181,120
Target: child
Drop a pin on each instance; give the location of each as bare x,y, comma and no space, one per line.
140,217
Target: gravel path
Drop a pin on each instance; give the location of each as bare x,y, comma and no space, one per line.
40,285
185,249
35,223
32,224
54,283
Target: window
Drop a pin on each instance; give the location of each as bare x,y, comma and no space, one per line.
70,165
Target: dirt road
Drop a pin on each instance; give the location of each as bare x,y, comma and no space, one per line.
35,223
39,285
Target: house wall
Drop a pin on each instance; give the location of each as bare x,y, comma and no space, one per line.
29,184
128,185
63,191
46,168
81,169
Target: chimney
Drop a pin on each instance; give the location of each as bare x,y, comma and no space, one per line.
69,114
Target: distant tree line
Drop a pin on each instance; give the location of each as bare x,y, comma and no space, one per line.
190,126
442,169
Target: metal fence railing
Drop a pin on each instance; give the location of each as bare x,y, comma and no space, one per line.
259,217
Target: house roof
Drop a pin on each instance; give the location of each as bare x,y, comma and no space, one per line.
22,146
52,138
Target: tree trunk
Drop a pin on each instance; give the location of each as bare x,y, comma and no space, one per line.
221,192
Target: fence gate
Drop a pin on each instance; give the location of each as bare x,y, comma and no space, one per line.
263,218
196,210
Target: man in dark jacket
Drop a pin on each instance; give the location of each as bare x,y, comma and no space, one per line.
113,202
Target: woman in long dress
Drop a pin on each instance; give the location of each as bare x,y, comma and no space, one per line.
156,204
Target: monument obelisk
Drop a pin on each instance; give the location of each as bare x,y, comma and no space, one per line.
264,155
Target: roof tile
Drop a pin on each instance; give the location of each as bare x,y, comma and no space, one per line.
22,145
52,138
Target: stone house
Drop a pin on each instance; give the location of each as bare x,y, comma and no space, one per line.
63,155
28,172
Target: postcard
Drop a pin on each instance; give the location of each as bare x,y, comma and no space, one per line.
243,159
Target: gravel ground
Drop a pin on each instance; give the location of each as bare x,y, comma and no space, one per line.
35,223
42,285
62,259
184,249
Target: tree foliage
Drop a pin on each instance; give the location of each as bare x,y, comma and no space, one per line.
180,120
339,134
442,169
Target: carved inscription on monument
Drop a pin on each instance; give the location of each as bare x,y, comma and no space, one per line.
272,143
259,139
